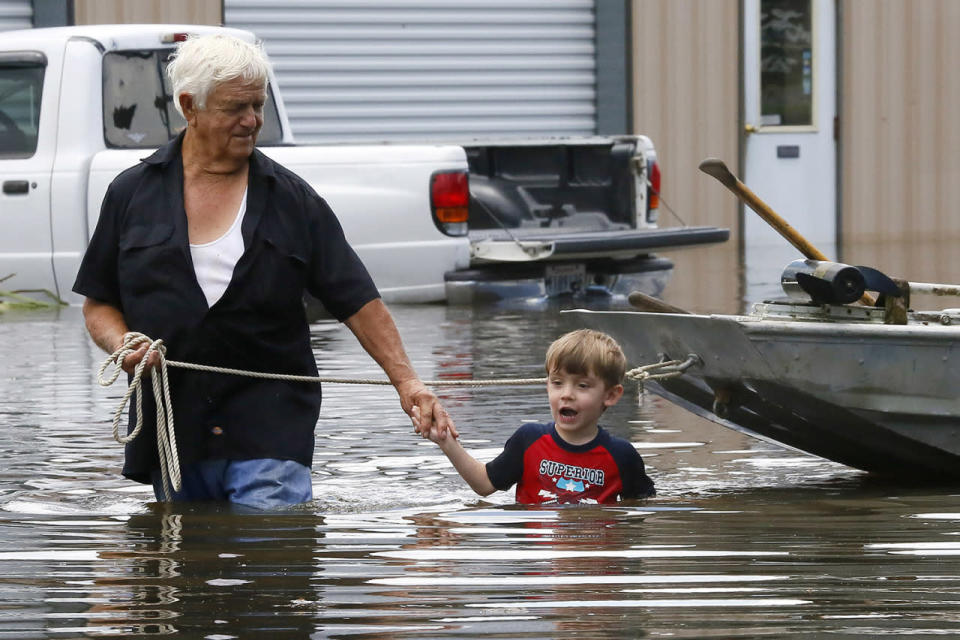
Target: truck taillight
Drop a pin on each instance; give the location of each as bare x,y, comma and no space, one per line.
653,188
169,38
450,201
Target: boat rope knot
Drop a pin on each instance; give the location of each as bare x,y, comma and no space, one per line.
166,437
664,369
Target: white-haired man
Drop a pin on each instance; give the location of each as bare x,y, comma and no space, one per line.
210,245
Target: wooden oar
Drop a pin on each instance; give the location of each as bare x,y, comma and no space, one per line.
643,302
716,168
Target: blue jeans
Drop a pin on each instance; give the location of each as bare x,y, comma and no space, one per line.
262,484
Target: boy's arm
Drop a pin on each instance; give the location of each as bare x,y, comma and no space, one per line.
469,468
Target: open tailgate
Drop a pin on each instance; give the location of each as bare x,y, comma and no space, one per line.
527,245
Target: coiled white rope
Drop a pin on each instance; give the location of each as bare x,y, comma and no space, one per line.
166,437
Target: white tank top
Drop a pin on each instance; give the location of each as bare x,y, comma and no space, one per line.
214,261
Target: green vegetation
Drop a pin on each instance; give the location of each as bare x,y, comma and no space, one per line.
19,300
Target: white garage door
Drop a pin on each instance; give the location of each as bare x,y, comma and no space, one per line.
16,14
429,69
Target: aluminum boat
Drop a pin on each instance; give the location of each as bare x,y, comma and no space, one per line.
873,387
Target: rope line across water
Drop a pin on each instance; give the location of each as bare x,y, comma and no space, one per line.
166,436
501,382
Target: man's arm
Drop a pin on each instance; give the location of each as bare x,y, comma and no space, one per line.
106,327
375,330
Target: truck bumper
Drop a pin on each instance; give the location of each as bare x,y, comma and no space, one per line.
600,280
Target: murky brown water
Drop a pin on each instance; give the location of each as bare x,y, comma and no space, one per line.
745,540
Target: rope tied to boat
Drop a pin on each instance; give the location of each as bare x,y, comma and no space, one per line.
664,369
166,435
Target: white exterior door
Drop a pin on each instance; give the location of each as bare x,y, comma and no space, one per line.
789,111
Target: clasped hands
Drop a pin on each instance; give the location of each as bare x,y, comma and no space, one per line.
425,411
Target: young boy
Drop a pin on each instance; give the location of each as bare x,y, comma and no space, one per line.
571,458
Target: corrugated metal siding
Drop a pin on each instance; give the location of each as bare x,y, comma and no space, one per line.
429,69
16,14
686,99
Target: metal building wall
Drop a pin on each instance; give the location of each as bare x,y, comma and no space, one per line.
143,11
900,170
16,14
686,84
429,69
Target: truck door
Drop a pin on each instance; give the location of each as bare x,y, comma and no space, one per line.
789,108
26,162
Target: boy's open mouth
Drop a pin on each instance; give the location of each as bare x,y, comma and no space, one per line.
567,413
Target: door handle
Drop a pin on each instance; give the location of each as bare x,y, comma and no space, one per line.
750,128
16,187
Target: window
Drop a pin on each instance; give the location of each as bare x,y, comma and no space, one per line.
21,86
138,111
786,63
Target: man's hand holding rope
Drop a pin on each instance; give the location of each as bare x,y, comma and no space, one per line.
132,359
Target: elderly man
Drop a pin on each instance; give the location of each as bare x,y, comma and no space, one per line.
210,245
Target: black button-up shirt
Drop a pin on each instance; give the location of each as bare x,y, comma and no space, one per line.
139,261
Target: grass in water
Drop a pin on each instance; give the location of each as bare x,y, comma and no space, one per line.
18,300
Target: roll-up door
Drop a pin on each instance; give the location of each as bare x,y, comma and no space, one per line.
16,14
429,69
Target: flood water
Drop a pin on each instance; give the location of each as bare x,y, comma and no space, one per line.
744,540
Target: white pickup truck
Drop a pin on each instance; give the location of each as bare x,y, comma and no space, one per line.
432,222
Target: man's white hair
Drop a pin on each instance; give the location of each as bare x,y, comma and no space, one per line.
201,63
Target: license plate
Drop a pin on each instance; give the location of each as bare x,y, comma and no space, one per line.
562,279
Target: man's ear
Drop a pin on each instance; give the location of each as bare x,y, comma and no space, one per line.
188,106
613,395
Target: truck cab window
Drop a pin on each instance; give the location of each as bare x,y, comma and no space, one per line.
138,110
21,84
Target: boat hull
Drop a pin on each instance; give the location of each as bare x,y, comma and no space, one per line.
882,398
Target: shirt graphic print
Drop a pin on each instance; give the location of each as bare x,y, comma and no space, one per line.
545,468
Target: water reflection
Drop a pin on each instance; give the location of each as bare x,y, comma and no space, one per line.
744,540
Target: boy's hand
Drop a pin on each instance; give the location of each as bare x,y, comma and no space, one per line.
432,432
436,437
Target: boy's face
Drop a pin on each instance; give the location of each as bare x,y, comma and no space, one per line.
577,401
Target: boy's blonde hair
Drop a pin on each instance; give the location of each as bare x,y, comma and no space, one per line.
584,352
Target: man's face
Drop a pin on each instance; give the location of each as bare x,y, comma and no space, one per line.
232,119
